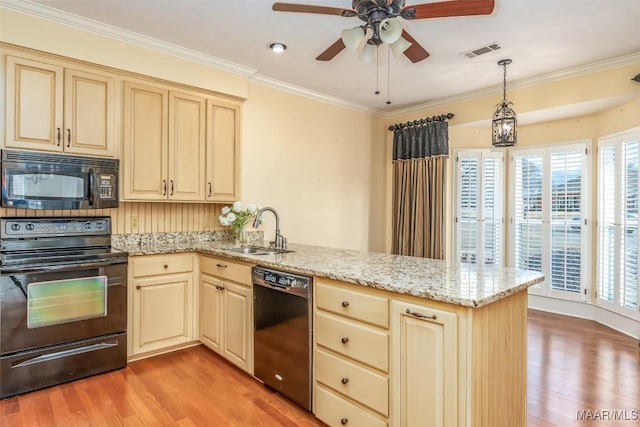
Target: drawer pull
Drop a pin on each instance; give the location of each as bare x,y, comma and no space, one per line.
344,340
221,265
345,380
220,288
166,266
421,316
345,304
344,421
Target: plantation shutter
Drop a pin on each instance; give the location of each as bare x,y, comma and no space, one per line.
618,222
479,226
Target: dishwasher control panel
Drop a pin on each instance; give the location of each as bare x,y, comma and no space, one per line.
285,281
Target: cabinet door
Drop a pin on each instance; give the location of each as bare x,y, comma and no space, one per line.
34,105
89,113
238,325
424,374
162,312
211,307
186,147
145,142
223,150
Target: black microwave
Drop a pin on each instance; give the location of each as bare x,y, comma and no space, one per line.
32,180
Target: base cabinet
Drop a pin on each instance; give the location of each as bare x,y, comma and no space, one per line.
226,310
161,296
424,369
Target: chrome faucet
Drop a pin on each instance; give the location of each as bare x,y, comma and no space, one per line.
280,242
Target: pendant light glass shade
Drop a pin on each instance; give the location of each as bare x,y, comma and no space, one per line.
390,30
504,124
352,37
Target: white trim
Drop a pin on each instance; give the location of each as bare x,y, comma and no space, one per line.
297,90
623,324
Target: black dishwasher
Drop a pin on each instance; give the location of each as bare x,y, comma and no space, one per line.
283,332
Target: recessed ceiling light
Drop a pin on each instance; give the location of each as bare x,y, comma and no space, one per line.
277,47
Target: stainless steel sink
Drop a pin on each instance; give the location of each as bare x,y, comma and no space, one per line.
257,250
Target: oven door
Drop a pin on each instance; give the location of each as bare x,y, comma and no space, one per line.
61,303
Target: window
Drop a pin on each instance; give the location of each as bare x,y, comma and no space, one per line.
549,211
618,222
479,224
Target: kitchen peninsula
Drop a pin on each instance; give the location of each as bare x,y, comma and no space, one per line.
428,342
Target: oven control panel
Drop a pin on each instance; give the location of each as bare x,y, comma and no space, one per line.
45,227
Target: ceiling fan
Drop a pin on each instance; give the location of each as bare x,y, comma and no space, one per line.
380,17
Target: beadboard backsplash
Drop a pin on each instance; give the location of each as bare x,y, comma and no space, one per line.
134,217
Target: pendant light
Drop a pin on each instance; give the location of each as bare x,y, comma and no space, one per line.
504,125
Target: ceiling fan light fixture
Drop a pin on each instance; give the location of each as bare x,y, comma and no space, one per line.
352,37
400,46
277,47
368,53
390,30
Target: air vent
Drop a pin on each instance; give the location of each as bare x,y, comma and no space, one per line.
481,50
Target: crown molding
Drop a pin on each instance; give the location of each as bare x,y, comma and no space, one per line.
85,24
556,76
297,90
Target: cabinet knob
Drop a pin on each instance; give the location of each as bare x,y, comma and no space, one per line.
344,340
137,286
344,421
344,380
221,265
345,304
166,266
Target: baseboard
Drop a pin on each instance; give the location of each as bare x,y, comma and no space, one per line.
623,324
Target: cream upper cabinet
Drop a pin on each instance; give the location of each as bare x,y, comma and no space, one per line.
226,310
162,301
223,151
54,108
424,371
164,144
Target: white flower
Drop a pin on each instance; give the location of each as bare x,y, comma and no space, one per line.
251,208
226,210
237,206
231,217
223,220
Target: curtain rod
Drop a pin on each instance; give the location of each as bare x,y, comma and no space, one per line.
422,121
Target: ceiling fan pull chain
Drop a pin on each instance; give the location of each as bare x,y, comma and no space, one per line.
388,75
377,92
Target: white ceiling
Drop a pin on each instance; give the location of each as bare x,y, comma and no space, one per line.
540,36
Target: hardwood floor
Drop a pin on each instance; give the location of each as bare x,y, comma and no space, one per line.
574,365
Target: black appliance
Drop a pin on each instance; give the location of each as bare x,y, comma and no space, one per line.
32,180
283,333
63,301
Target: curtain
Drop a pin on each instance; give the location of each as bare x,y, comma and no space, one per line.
420,151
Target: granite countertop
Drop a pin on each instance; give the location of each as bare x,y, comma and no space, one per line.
456,283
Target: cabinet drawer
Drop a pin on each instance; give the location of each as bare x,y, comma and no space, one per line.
355,340
337,412
226,269
153,265
350,303
363,385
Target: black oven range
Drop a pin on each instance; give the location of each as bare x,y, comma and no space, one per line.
63,301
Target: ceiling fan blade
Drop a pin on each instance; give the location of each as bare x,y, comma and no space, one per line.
307,8
443,9
415,52
331,51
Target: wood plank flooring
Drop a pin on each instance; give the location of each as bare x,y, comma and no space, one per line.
574,365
